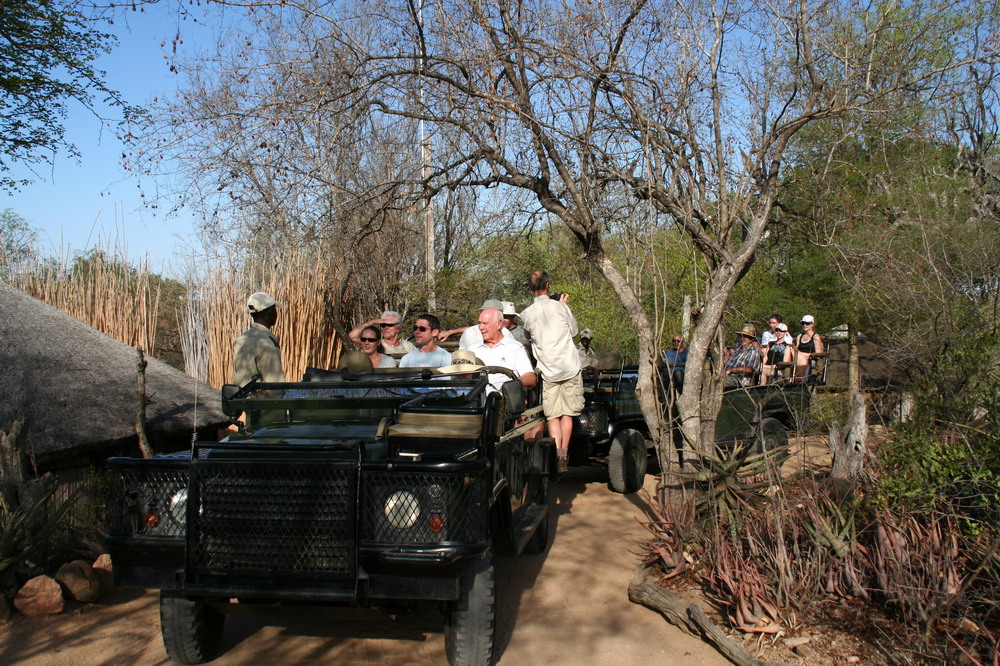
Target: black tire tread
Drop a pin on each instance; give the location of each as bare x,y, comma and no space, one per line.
621,477
191,631
469,634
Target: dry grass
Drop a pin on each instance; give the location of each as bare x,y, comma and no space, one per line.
216,314
101,290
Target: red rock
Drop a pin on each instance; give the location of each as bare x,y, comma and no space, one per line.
41,595
80,581
103,567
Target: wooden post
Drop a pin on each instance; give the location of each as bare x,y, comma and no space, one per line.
853,361
140,415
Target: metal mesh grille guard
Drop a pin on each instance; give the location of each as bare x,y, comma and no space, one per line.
425,508
253,518
134,495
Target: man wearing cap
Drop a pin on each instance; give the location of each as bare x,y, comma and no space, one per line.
389,324
501,350
744,361
552,326
427,354
588,357
516,331
256,351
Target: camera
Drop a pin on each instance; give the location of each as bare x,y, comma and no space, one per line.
555,297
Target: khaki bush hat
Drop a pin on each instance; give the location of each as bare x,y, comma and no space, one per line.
492,303
749,331
508,309
462,360
260,301
355,362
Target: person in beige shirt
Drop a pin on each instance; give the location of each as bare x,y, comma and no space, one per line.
552,326
257,351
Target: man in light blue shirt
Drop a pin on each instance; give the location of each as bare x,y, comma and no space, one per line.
427,354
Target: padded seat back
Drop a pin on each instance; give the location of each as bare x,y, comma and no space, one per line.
437,425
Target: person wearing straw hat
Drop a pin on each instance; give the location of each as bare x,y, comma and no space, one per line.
256,352
502,350
744,362
463,364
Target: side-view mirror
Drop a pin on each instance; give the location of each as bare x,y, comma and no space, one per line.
513,397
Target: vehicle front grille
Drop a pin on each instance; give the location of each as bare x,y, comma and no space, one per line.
147,502
267,517
425,508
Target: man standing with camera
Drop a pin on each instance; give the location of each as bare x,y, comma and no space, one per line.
552,326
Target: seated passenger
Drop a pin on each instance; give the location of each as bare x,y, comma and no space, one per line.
502,350
371,345
675,358
778,350
427,354
389,323
807,343
771,334
744,359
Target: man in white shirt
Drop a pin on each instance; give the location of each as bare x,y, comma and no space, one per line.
502,350
552,326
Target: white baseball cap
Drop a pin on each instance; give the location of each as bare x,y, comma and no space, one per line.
808,319
259,301
586,333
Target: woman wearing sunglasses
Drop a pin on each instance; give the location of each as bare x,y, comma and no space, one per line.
371,345
807,343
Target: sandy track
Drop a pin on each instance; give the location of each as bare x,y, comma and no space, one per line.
568,605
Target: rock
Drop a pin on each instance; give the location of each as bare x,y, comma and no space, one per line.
103,567
81,581
804,652
41,595
796,641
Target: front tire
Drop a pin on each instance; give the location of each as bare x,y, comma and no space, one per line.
468,636
771,437
191,630
627,461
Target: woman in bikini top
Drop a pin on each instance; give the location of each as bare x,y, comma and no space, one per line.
808,342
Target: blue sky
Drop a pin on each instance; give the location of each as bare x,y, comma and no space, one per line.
80,201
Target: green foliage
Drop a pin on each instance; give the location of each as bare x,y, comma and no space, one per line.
827,408
17,242
946,460
47,59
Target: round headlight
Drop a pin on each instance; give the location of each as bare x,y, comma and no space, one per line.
178,506
402,509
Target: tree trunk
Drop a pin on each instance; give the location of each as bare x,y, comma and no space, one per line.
140,412
848,447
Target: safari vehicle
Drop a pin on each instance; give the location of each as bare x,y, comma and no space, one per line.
611,427
370,493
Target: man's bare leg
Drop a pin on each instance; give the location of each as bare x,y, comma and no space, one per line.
562,443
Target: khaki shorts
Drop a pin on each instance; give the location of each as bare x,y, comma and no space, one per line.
563,398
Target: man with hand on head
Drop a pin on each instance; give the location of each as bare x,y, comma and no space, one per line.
389,323
502,350
256,351
552,326
427,354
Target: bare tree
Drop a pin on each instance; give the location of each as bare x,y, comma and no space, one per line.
684,110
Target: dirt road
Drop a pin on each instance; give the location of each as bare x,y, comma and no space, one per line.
568,605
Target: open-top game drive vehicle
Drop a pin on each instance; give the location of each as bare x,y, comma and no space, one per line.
611,427
370,492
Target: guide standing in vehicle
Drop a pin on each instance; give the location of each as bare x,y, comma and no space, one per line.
256,351
552,326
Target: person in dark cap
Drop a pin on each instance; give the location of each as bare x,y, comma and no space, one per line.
256,351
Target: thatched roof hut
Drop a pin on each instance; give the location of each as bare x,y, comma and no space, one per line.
77,389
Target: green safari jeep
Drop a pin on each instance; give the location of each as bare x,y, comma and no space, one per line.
372,493
611,427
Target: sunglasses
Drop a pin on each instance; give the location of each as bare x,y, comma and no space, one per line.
421,328
387,325
677,342
369,339
807,323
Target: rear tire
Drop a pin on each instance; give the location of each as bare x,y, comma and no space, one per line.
468,636
627,461
191,630
771,436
